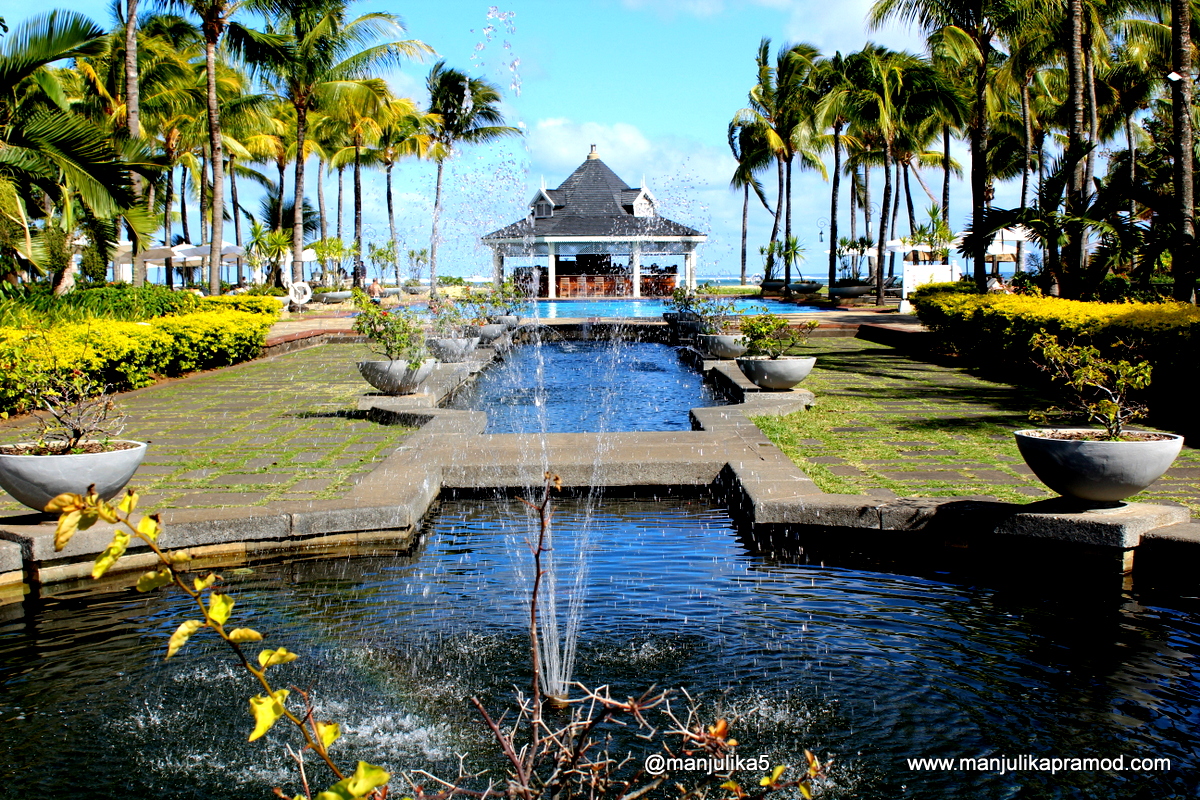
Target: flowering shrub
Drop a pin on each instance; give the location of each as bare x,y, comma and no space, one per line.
126,355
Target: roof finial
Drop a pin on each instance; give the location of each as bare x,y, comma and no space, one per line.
592,156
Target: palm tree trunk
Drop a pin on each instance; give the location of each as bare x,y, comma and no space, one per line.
912,214
1026,163
321,198
391,216
979,172
132,110
298,208
237,220
883,220
853,207
745,227
1182,268
433,237
1131,147
203,200
787,227
218,165
779,211
277,221
866,200
167,199
360,271
183,218
1093,116
1073,251
895,218
339,213
833,201
946,172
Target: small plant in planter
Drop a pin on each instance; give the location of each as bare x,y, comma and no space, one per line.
78,443
768,338
455,334
1098,465
715,337
397,335
508,303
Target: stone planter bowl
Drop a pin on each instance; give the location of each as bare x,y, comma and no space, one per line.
395,377
779,373
850,291
453,351
335,297
1101,472
36,480
493,330
722,345
511,320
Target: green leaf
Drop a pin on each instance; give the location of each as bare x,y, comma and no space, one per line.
115,550
181,635
220,606
152,580
269,658
267,711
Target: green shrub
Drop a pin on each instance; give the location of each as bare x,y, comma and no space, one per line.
37,306
956,287
126,355
251,304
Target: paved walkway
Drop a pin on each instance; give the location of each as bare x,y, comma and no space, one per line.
285,427
889,424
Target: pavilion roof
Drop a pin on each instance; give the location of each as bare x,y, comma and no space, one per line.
593,201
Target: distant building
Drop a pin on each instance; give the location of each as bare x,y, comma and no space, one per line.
595,233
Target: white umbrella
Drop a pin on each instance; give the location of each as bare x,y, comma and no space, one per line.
229,252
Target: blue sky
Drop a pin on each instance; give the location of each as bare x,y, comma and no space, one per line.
652,83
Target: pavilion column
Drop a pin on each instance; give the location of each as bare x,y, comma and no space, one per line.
689,270
497,267
635,260
123,273
551,270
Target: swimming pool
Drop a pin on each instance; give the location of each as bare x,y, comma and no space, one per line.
644,308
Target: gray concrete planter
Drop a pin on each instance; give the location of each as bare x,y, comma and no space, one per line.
36,480
805,287
722,345
490,331
777,373
850,291
452,351
1101,472
335,297
395,377
509,320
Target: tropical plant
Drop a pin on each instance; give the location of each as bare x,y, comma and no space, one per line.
1101,386
397,335
469,113
772,336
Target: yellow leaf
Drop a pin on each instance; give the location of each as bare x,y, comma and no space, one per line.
805,792
106,512
179,557
152,580
269,658
366,778
68,523
181,635
241,635
65,502
128,502
773,778
220,606
148,527
328,732
203,583
266,710
115,550
88,517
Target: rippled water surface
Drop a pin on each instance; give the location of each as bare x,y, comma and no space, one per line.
572,386
867,667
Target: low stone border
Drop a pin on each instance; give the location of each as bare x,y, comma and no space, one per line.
726,452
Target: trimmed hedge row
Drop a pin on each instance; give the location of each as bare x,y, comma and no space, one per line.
127,355
252,304
992,332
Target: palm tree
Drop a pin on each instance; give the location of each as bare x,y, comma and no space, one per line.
470,114
1183,266
363,125
407,132
974,25
325,65
753,156
831,76
50,152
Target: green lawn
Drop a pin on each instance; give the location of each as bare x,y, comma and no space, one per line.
885,422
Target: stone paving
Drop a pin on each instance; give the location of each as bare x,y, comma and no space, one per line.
281,428
887,423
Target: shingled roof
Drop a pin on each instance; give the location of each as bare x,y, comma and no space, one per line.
593,201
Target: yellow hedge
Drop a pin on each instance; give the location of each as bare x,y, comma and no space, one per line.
253,304
127,355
